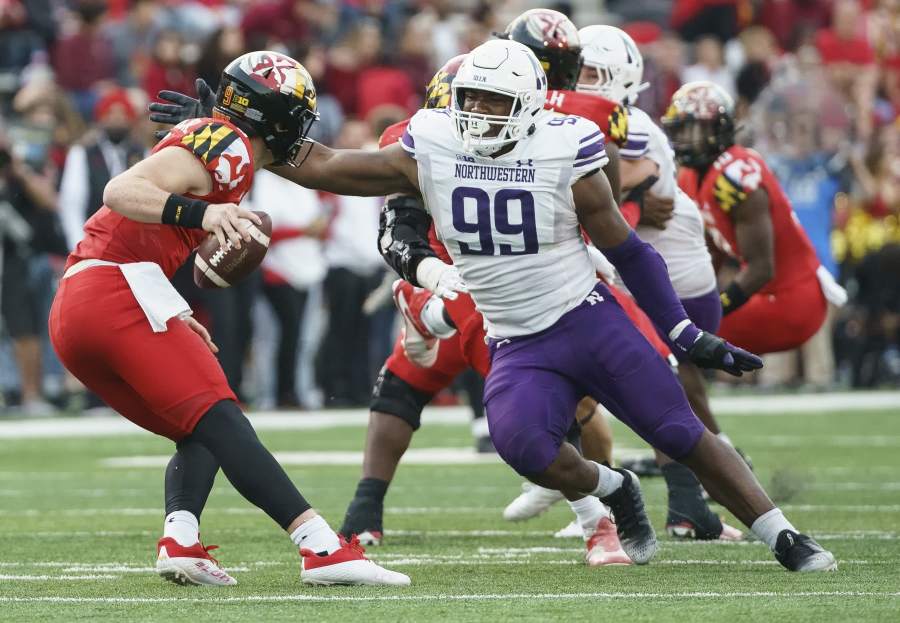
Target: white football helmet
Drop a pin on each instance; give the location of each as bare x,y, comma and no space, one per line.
508,68
619,64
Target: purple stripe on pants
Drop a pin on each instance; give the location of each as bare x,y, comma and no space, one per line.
594,350
705,311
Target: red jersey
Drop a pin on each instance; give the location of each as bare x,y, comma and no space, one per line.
224,151
611,117
390,136
736,173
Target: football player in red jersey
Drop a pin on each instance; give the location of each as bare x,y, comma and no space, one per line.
779,298
120,327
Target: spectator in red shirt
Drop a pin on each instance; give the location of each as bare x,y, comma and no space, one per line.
84,58
168,70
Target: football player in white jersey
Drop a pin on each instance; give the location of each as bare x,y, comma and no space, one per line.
508,186
613,68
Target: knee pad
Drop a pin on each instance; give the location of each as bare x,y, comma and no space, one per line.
394,396
529,451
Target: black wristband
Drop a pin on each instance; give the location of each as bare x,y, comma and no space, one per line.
184,211
732,297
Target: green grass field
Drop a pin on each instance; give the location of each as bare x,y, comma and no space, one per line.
77,537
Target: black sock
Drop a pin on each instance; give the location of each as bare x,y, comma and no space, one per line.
372,489
249,466
189,477
679,476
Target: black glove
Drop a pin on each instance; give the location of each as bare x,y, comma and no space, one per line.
182,106
711,351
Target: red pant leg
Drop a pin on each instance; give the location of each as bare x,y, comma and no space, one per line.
470,326
641,321
163,382
769,323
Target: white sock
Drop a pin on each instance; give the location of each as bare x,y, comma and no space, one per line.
480,427
589,510
183,527
317,535
433,318
725,438
608,480
769,525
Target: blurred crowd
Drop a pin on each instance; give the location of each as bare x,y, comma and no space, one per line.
817,84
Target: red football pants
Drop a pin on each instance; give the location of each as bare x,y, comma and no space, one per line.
163,382
784,320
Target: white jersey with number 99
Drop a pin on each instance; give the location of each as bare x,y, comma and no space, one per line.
509,222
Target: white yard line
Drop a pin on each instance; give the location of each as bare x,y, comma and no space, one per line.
44,578
447,597
100,426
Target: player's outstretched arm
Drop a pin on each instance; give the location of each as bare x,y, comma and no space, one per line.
153,191
644,273
753,230
355,172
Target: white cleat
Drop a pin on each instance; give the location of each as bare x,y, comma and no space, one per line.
604,548
572,531
347,565
533,501
190,565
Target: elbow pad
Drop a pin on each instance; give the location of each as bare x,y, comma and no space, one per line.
403,235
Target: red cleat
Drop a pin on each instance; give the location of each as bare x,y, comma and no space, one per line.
190,565
347,565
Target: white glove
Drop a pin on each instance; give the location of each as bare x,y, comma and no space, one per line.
601,264
442,279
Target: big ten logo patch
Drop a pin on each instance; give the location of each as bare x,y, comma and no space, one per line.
234,101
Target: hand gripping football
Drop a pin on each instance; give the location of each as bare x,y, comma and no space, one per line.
217,266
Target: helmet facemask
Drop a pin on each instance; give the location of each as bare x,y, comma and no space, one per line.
484,134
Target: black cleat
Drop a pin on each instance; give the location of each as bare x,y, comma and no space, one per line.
798,552
643,467
364,520
689,515
484,445
632,524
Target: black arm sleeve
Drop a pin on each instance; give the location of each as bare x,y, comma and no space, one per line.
403,235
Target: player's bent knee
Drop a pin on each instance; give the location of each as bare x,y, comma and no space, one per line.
529,451
394,396
677,434
223,418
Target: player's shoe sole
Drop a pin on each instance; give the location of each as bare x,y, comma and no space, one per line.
533,501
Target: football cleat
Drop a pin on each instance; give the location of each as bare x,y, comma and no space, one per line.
364,518
604,547
190,565
533,501
370,538
632,524
573,530
643,467
687,530
798,552
347,565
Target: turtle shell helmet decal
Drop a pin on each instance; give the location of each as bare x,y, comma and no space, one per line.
699,123
437,93
272,96
554,40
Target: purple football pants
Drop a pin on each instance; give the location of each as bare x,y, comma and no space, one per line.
594,350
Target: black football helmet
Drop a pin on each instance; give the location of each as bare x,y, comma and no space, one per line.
271,96
699,123
554,40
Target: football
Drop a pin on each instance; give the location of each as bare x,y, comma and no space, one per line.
216,266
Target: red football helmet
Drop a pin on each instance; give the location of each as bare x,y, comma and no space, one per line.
699,123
